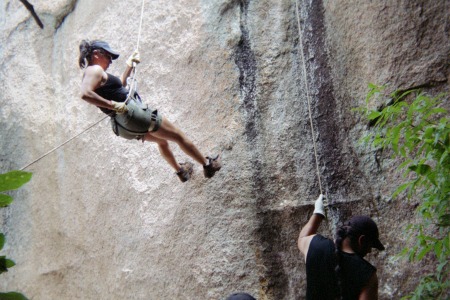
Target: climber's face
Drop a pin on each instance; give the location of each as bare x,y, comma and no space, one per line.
102,58
107,56
364,246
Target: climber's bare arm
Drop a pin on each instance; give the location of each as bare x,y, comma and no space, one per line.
125,75
92,79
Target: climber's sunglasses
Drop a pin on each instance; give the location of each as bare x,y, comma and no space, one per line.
106,54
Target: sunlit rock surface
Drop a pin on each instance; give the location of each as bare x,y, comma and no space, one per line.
106,218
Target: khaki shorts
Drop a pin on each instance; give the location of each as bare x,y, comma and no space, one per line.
135,123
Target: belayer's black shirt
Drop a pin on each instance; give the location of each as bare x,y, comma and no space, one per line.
321,276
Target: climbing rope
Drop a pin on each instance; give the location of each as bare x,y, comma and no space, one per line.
308,96
56,148
131,81
332,209
140,25
85,130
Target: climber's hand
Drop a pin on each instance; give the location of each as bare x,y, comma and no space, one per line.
134,58
119,107
318,206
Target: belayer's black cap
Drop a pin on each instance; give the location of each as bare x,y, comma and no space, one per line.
366,226
240,296
105,46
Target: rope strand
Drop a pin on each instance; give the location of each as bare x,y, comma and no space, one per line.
308,96
140,25
133,84
57,147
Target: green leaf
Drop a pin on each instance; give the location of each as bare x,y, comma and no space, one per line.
443,157
13,180
421,169
5,200
444,220
437,110
438,249
441,266
373,86
423,252
401,189
399,97
395,138
431,176
12,296
3,264
9,263
373,115
2,241
429,132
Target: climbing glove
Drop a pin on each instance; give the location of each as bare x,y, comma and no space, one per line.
134,58
119,107
318,206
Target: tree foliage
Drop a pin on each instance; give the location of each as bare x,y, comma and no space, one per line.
10,181
416,129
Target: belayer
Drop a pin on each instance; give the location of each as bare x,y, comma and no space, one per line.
337,269
130,118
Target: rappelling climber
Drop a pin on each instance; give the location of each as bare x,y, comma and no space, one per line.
337,270
134,120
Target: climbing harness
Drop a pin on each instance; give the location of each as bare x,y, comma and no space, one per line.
137,121
133,103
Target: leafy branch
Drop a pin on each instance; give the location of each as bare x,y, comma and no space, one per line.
10,181
417,130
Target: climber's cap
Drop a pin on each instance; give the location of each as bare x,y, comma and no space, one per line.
366,226
105,46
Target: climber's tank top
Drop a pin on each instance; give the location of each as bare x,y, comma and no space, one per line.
112,90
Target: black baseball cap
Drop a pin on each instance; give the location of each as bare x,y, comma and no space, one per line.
105,46
366,226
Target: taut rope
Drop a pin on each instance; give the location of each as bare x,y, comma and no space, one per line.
56,148
308,96
132,83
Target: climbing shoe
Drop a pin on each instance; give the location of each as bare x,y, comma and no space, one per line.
186,171
212,167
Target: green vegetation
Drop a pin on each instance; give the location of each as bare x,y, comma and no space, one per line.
416,129
10,181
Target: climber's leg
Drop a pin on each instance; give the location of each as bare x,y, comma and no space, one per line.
168,131
164,149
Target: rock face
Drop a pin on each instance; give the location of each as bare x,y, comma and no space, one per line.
106,218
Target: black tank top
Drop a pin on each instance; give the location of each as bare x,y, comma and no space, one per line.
112,90
321,281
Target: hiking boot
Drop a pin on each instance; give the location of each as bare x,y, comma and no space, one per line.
212,167
186,171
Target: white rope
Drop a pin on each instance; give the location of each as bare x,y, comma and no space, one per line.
57,147
140,25
307,95
132,84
